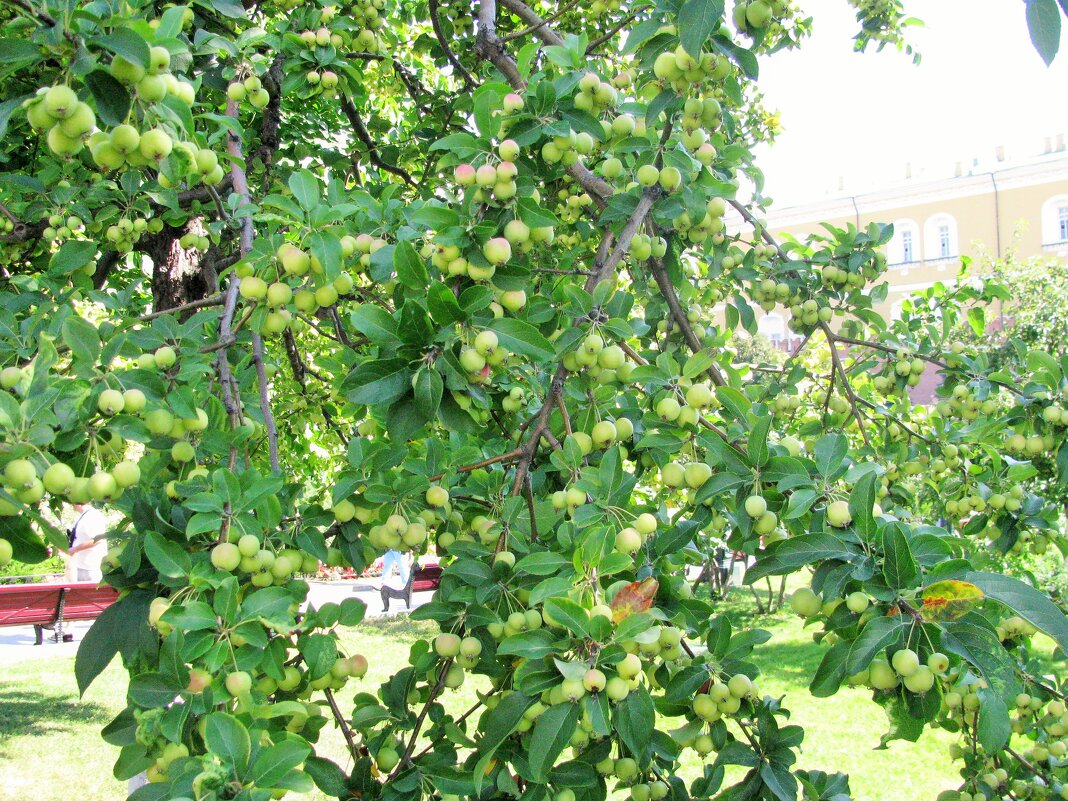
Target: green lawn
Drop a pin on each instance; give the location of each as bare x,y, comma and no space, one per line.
50,749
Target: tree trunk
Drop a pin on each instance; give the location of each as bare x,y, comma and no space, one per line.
179,275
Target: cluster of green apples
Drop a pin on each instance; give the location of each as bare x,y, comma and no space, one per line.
842,277
62,227
125,233
484,353
26,480
153,84
65,120
398,531
751,16
898,375
263,566
904,668
495,182
595,95
964,403
325,81
711,226
571,203
602,361
721,699
682,72
630,539
686,403
565,149
247,87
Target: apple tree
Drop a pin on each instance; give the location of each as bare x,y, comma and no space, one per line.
289,283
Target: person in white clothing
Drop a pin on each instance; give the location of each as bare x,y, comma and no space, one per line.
89,547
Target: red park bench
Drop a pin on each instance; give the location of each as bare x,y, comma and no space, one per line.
422,579
49,606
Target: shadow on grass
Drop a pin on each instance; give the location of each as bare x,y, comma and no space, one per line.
26,713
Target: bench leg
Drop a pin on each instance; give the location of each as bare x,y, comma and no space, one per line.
38,630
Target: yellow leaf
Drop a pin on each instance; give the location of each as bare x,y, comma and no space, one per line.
949,600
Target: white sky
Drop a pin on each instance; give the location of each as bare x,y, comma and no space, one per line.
862,116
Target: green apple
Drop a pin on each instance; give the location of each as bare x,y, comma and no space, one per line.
226,556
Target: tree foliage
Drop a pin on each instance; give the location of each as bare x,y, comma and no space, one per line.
288,283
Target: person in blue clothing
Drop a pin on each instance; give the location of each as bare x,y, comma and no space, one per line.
391,559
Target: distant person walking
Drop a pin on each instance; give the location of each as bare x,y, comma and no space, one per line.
88,546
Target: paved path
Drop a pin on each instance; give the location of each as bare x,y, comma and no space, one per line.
16,642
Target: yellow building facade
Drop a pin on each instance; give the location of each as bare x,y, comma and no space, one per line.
1022,207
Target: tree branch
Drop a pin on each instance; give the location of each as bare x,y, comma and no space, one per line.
435,21
372,149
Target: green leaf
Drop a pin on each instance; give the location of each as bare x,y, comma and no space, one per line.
305,188
862,503
697,20
428,391
973,639
552,731
228,739
379,383
327,776
271,764
1044,25
830,453
72,255
82,339
831,671
125,42
169,558
375,323
899,566
12,50
569,615
779,781
1032,605
120,627
878,634
530,644
757,447
534,215
522,338
635,718
995,727
787,555
152,690
496,725
409,266
436,218
113,101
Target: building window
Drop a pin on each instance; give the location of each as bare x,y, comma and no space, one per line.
1055,221
904,248
943,242
940,236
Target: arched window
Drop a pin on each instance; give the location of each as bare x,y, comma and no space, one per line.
772,326
940,237
904,248
1055,220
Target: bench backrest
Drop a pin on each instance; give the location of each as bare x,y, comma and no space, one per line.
427,577
25,604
